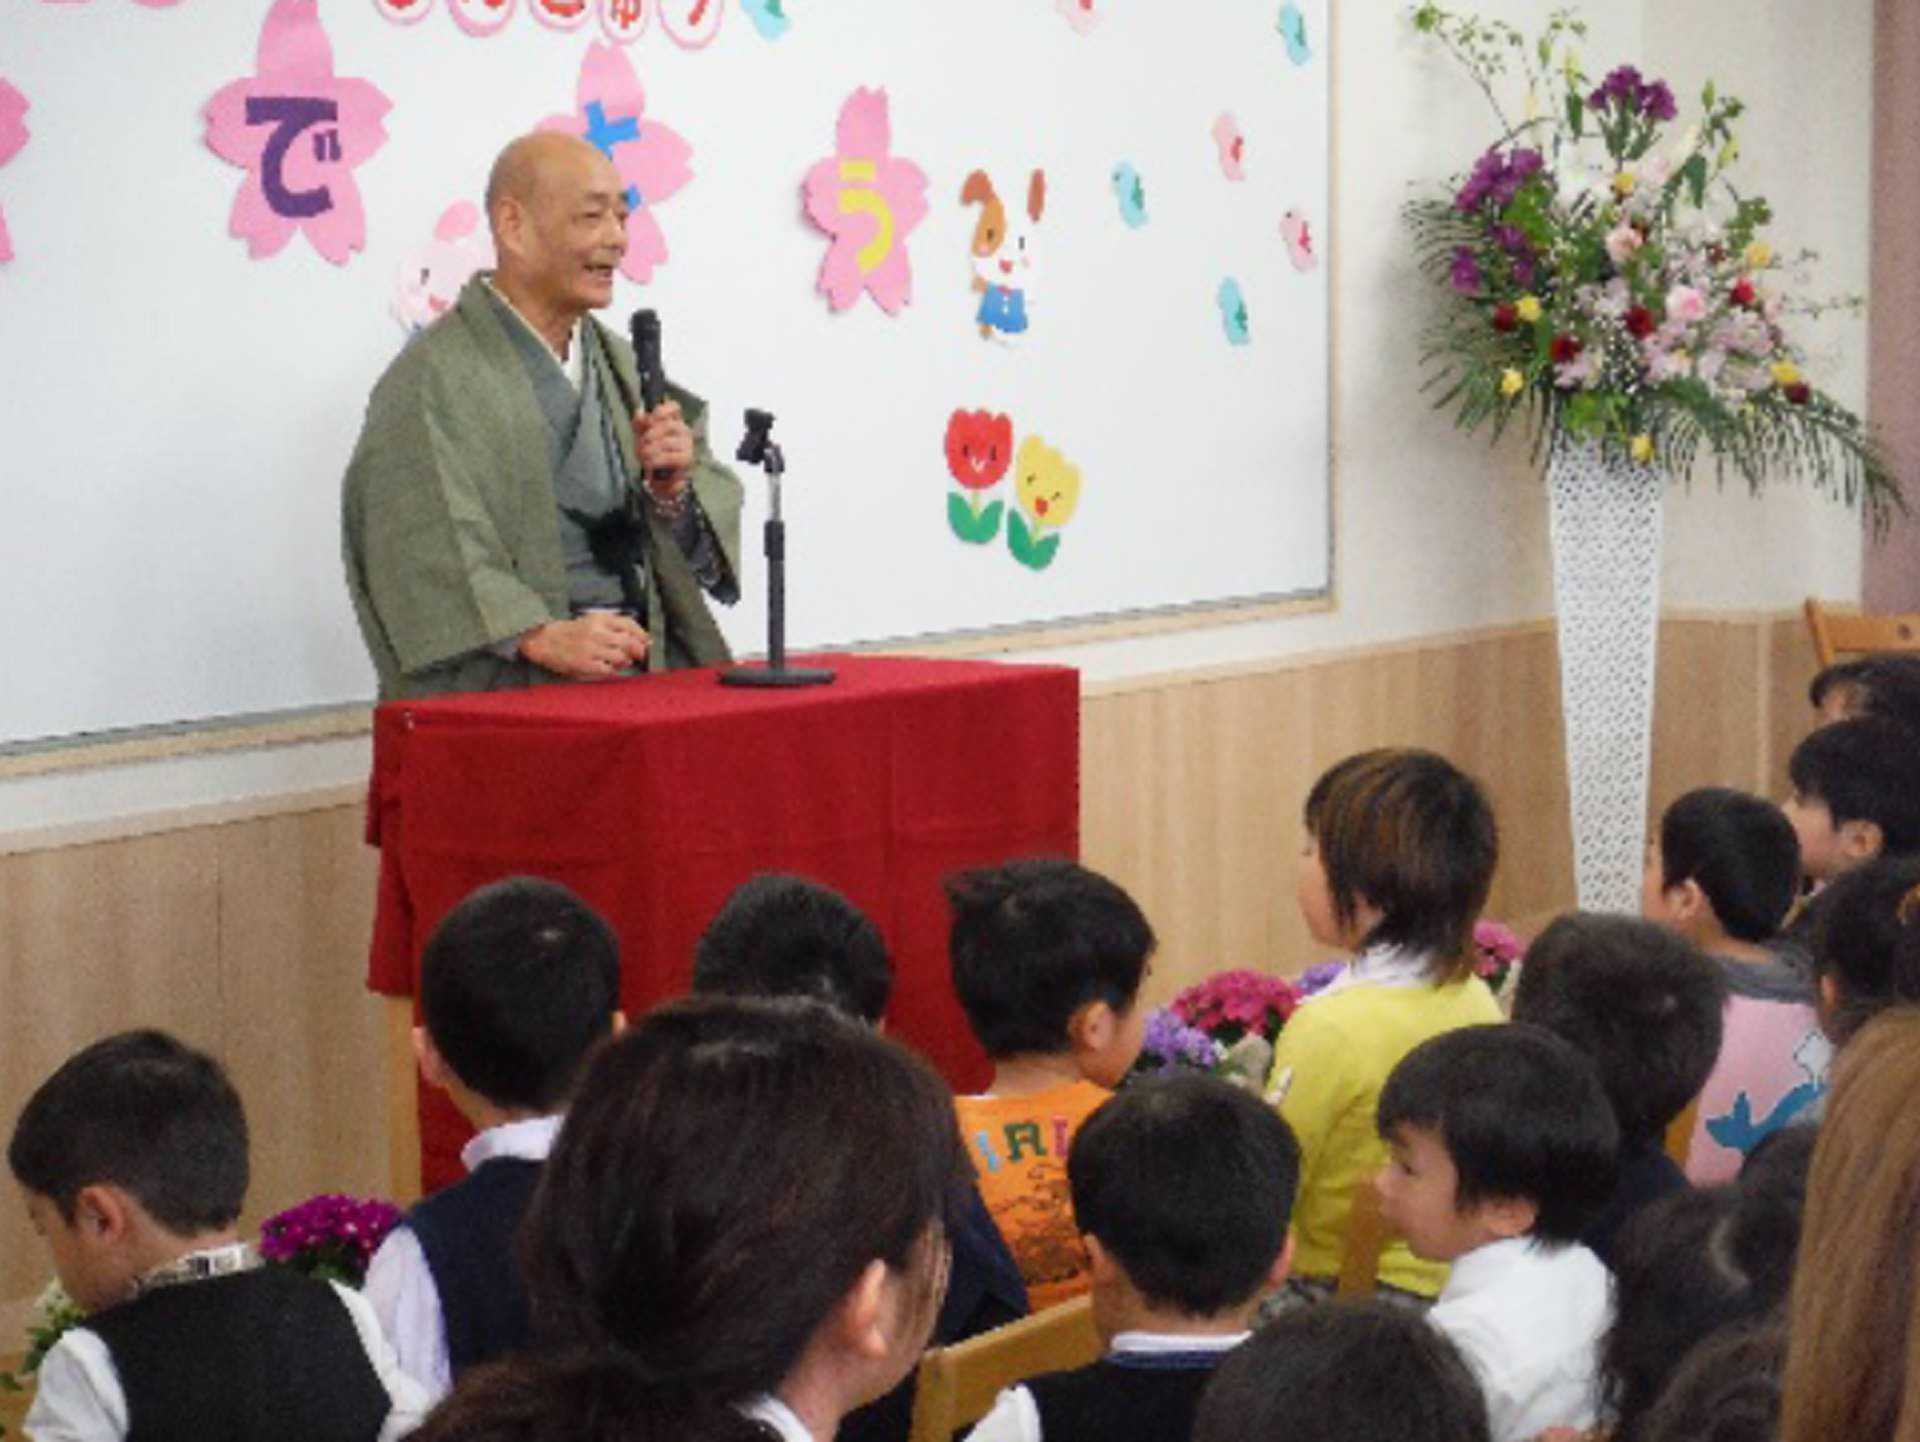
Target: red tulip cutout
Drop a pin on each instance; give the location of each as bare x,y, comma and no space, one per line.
979,450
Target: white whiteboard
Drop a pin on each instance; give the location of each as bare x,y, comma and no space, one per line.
177,415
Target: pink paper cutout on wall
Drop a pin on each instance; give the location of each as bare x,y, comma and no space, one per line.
482,17
299,131
623,21
692,23
432,275
13,135
651,157
150,4
1080,14
1298,235
562,14
869,203
1233,146
403,12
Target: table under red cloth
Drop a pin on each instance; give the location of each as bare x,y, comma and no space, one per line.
654,798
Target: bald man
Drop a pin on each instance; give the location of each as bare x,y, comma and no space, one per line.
512,515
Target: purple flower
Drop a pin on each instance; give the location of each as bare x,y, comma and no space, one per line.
1656,102
1527,163
1465,274
1318,978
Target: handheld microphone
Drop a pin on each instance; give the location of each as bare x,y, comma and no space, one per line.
646,358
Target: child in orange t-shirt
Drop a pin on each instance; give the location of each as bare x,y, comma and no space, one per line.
1047,961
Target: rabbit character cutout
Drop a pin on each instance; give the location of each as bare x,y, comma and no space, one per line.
1003,255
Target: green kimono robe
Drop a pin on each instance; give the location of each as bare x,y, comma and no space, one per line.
450,526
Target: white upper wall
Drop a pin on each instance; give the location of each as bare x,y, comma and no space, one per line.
1435,532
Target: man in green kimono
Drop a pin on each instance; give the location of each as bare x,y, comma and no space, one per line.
494,533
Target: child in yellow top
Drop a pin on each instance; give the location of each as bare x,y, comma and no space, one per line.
1399,855
1047,962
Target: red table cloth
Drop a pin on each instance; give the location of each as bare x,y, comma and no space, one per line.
654,798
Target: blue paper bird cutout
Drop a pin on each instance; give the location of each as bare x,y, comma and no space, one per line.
767,17
1293,28
1233,312
1131,193
1737,1131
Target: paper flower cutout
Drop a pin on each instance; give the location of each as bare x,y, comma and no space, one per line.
651,157
1233,312
150,4
432,275
403,12
769,17
1131,192
299,131
979,450
1080,14
1047,485
869,202
1298,235
692,23
481,17
622,21
561,14
1233,146
13,135
1293,29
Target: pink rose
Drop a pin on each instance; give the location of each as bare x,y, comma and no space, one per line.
1684,303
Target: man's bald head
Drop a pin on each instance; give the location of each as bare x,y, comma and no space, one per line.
529,163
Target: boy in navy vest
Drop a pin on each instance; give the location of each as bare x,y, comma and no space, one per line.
1182,1189
517,984
133,1156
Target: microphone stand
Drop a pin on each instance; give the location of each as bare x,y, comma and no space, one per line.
758,448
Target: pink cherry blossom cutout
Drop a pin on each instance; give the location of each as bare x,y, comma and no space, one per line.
652,158
299,131
482,18
623,21
13,135
869,202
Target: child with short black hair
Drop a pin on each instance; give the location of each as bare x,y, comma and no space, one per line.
1502,1147
784,935
1723,874
1856,795
1048,958
133,1156
518,983
1645,1005
1347,1371
1866,947
1399,854
1886,686
1182,1187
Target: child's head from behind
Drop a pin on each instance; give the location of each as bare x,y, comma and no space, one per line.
1183,1187
1886,686
1856,794
781,935
134,1144
1692,1263
1866,946
1047,960
710,1212
1727,865
1642,1002
1400,850
1493,1132
517,984
1344,1371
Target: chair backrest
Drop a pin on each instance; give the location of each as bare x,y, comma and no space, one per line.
1847,631
1366,1239
957,1384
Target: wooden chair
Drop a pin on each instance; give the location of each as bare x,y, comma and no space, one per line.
1847,631
1366,1239
1679,1140
957,1384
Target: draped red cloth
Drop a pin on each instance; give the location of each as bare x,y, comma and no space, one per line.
654,798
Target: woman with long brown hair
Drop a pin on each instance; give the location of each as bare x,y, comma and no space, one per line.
1851,1373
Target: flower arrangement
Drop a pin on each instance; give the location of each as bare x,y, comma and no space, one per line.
1496,955
53,1313
330,1237
1226,1025
1606,279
